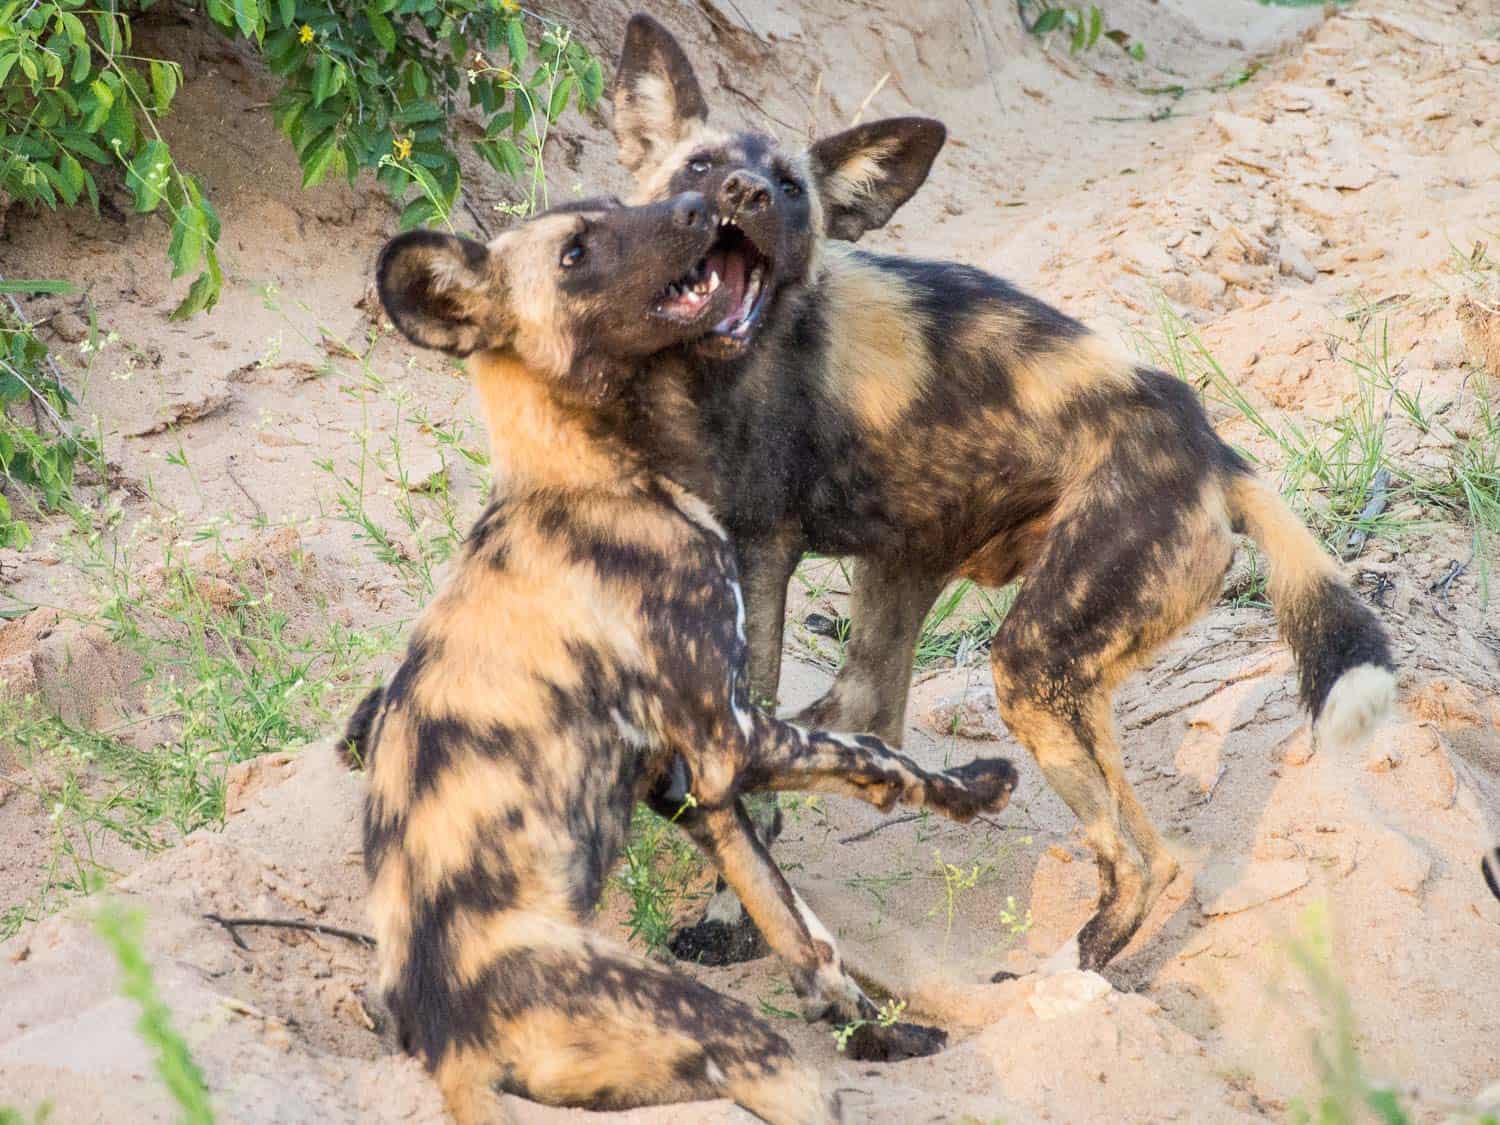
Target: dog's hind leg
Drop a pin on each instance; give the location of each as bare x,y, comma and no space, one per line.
887,606
1103,594
568,1018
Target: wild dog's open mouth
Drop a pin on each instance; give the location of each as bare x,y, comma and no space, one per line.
686,298
735,258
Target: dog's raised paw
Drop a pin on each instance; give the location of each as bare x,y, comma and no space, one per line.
985,785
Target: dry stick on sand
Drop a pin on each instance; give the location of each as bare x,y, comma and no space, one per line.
231,925
1380,496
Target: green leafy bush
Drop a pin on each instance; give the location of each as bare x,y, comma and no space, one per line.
372,85
44,454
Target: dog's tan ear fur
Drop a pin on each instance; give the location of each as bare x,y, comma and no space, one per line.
657,100
865,173
445,292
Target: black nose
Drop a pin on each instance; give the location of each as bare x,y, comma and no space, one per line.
744,193
690,211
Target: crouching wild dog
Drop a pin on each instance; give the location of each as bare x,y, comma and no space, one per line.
934,422
587,651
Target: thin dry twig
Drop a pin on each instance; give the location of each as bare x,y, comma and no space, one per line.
1380,496
881,827
232,925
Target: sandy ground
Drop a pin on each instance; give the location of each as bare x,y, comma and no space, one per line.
1343,176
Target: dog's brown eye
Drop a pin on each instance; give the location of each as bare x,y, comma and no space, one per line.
697,166
791,188
571,256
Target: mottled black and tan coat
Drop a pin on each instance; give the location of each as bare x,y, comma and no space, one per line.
933,421
587,652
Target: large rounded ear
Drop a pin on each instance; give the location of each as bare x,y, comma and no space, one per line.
657,99
865,173
444,292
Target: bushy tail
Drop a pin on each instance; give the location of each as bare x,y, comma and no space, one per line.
1344,662
354,747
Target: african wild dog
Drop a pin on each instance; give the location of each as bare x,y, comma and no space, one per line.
933,421
587,651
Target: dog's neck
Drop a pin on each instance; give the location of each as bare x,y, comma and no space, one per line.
538,440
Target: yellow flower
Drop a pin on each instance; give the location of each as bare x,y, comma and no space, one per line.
510,7
306,34
401,147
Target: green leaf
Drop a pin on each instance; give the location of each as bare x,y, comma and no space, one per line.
288,9
559,100
385,33
163,84
508,158
83,62
417,212
72,173
515,40
204,293
119,127
189,239
147,175
322,84
247,18
1050,20
592,82
1096,26
319,155
73,28
35,285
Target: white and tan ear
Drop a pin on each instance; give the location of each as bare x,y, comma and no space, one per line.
445,292
657,100
864,174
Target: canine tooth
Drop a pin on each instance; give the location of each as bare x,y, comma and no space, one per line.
713,280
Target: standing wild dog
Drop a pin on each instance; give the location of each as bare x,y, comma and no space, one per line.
933,421
588,651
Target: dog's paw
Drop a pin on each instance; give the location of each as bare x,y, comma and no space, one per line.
712,942
871,1042
983,785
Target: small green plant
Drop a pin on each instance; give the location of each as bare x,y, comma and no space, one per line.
889,1013
1082,24
658,866
41,455
123,931
956,881
1016,921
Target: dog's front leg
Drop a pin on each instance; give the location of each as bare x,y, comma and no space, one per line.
810,953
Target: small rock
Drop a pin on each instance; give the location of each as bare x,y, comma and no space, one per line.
1325,203
69,327
1245,132
1298,749
1399,862
964,716
1382,758
182,410
1062,994
1228,888
1294,263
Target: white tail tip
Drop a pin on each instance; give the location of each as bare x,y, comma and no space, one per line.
1360,701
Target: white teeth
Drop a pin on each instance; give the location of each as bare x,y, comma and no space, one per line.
713,280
